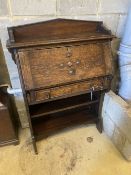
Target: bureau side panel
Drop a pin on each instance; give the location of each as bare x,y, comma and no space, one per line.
25,70
108,58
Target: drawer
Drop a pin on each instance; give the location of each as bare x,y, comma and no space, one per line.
76,88
59,65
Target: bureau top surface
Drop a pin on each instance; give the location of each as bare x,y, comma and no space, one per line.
56,31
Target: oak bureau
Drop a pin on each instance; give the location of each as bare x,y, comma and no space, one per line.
64,67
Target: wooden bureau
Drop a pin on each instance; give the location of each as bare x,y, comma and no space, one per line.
64,68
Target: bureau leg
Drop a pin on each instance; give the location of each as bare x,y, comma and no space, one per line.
99,123
34,145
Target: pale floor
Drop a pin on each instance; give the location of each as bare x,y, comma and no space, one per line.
76,151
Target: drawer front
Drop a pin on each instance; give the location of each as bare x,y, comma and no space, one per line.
76,88
54,66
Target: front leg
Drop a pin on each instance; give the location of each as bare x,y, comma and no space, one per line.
99,123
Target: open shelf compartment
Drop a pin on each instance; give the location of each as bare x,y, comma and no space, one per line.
62,105
44,127
51,116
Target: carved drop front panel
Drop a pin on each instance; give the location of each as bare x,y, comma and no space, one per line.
58,65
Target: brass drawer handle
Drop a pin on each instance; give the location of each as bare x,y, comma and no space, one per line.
101,87
69,52
72,71
48,95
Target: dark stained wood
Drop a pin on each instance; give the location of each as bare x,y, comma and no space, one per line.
56,31
64,67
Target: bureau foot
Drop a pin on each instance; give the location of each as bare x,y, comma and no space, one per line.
34,146
99,125
16,143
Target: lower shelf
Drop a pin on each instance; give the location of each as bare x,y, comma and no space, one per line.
63,105
45,127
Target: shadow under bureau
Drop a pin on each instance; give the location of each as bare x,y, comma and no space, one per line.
64,67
